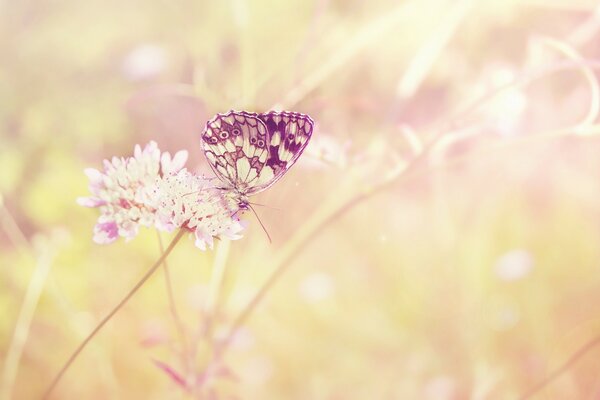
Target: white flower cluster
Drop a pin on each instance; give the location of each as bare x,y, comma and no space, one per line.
152,189
188,200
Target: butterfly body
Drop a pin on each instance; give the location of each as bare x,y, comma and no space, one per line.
249,152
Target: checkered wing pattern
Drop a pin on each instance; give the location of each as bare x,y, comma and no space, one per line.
249,152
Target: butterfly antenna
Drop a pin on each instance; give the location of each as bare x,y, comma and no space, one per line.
264,205
261,224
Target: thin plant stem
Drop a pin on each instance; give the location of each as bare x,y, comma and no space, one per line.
98,327
215,289
583,350
390,180
308,235
407,173
23,324
281,267
213,303
179,326
417,160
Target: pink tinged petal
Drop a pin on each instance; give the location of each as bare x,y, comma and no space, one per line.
123,179
96,180
171,373
178,161
94,175
152,149
233,231
137,151
163,223
240,226
107,165
90,202
203,239
128,230
200,244
165,163
106,232
107,182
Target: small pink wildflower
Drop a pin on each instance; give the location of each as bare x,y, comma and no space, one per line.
152,189
120,191
185,200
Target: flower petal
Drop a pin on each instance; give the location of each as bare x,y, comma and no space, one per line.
203,239
90,202
178,161
106,232
153,189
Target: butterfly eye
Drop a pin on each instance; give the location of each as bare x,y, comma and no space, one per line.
213,139
223,134
236,131
260,143
252,140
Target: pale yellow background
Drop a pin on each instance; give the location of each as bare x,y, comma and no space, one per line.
471,276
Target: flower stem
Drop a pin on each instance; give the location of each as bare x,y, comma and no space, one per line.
125,299
563,368
173,307
217,282
212,307
314,228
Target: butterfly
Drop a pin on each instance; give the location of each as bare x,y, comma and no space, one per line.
249,152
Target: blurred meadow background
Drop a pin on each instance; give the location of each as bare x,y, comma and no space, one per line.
439,239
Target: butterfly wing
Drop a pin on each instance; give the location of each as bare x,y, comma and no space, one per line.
250,151
288,134
235,147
